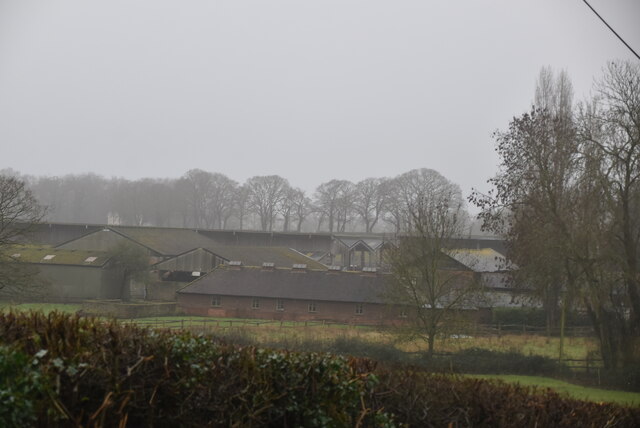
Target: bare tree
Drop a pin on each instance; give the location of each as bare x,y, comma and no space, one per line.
332,200
19,213
301,207
242,204
294,207
610,131
265,195
427,279
370,200
219,196
193,186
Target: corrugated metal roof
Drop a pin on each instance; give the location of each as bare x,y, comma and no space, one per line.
482,260
288,284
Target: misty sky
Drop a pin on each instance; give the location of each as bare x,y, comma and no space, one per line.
309,90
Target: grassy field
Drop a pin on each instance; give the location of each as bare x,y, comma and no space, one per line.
268,331
569,389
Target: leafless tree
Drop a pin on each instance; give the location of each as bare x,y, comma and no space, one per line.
219,196
332,200
265,195
19,212
427,279
370,200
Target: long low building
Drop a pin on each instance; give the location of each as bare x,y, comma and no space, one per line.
296,293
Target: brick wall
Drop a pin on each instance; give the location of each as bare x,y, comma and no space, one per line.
292,310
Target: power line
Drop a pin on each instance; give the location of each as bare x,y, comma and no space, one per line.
614,31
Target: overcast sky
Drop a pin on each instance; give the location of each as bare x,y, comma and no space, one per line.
309,90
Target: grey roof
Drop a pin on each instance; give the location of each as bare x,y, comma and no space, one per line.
255,256
166,241
289,284
482,260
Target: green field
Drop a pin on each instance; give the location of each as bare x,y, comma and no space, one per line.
569,389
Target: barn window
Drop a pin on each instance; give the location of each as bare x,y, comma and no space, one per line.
359,309
279,305
312,306
215,301
255,303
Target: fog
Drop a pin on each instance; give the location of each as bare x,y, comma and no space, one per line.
310,91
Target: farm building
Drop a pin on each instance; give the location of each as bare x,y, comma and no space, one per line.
173,273
71,275
493,272
296,293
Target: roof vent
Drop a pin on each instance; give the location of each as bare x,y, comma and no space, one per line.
268,265
300,267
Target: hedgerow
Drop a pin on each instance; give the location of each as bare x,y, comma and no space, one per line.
69,371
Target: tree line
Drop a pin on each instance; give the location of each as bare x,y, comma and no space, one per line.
211,200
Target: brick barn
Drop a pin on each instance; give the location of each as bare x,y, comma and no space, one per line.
296,294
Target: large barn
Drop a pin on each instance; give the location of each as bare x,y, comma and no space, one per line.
295,293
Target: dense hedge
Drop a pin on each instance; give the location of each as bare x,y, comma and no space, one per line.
60,370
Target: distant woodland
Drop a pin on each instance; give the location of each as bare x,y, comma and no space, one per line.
211,200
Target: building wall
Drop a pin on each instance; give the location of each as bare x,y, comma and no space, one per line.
294,310
74,283
299,241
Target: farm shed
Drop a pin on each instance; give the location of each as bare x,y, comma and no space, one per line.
494,272
72,275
